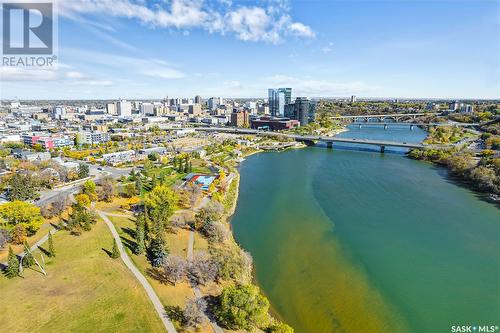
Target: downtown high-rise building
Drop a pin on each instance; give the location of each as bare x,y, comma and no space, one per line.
303,110
278,98
124,108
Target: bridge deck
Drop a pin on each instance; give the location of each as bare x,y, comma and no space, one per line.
412,124
313,138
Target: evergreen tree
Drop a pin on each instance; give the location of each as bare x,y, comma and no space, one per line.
139,234
186,166
115,253
138,185
157,251
52,250
83,170
12,269
28,259
180,168
190,167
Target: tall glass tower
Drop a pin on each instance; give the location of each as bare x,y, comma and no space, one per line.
278,98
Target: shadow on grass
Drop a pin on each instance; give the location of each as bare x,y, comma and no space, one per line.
158,275
44,251
109,253
129,232
131,245
176,314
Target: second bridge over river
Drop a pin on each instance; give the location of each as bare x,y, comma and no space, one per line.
311,139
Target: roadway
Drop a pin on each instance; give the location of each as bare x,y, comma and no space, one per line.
370,123
390,115
96,173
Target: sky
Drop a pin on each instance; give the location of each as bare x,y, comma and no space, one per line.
140,49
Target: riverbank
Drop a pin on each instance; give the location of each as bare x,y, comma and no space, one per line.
481,175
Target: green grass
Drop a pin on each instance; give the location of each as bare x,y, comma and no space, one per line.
85,291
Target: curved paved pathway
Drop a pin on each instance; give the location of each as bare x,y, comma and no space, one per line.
138,275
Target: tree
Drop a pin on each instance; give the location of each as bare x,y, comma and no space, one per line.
83,170
215,232
157,251
485,179
82,199
161,203
459,164
130,190
153,157
22,213
279,327
138,185
106,190
115,253
175,269
59,204
233,264
208,214
81,219
12,269
18,234
203,269
194,313
28,259
52,250
194,193
242,307
140,234
22,187
4,237
89,188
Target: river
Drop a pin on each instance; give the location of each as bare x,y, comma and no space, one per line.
357,241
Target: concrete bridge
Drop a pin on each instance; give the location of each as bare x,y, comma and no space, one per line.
311,139
412,125
382,117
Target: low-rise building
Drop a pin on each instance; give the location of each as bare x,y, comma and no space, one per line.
274,124
119,157
35,156
91,138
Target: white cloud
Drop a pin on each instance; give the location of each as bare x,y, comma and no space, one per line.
301,30
248,23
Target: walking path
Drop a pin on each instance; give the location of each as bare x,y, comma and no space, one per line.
118,215
138,275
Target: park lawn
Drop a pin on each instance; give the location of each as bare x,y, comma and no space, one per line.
113,206
177,244
172,297
85,291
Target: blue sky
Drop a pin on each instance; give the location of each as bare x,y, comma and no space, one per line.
152,49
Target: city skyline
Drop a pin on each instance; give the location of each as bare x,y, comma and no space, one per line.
149,50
